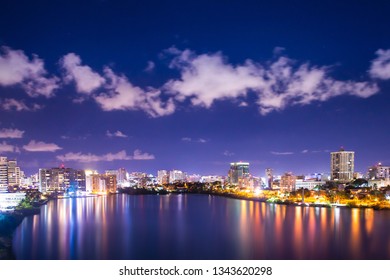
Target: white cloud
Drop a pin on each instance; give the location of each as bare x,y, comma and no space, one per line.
7,148
206,78
116,134
11,133
85,78
228,153
122,155
150,67
199,140
380,66
282,153
38,146
10,104
305,151
139,155
122,95
17,69
186,139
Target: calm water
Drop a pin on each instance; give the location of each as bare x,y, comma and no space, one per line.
199,227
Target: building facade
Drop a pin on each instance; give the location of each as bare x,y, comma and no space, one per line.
238,173
287,182
61,180
342,165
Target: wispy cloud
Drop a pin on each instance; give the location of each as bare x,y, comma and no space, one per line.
305,151
282,153
150,67
380,66
8,148
199,140
11,133
121,155
228,153
38,146
11,104
85,78
117,133
17,69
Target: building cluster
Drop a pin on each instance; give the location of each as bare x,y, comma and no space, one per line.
69,181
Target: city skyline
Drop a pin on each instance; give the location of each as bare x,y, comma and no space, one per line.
110,84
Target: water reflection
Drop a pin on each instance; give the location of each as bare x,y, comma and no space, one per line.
199,227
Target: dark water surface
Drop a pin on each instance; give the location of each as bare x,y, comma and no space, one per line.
199,227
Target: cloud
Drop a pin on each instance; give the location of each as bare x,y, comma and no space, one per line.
208,77
380,66
10,104
7,148
278,84
228,153
122,155
199,140
186,139
139,155
150,67
37,146
17,69
305,151
116,134
122,95
85,78
11,133
282,153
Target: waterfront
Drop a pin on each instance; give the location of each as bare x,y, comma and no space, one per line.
199,227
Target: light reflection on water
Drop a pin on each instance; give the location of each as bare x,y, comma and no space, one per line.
199,227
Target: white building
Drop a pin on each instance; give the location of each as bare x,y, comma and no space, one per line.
342,165
176,176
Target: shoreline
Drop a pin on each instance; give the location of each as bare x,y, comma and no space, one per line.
9,222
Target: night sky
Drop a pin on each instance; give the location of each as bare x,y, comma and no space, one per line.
194,85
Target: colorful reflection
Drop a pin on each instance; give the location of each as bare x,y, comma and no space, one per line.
199,227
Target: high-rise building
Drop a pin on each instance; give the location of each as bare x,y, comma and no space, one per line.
378,171
269,176
287,182
3,174
342,165
13,173
176,176
61,180
103,183
122,177
162,177
238,172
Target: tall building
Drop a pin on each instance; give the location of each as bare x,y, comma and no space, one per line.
102,183
378,171
3,174
269,176
176,176
61,180
342,165
287,182
162,177
13,173
238,172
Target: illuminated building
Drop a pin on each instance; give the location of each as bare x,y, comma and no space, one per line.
342,165
378,172
8,201
162,177
61,180
287,182
13,173
238,173
3,174
176,176
102,183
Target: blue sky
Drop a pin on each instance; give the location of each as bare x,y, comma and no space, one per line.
150,85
